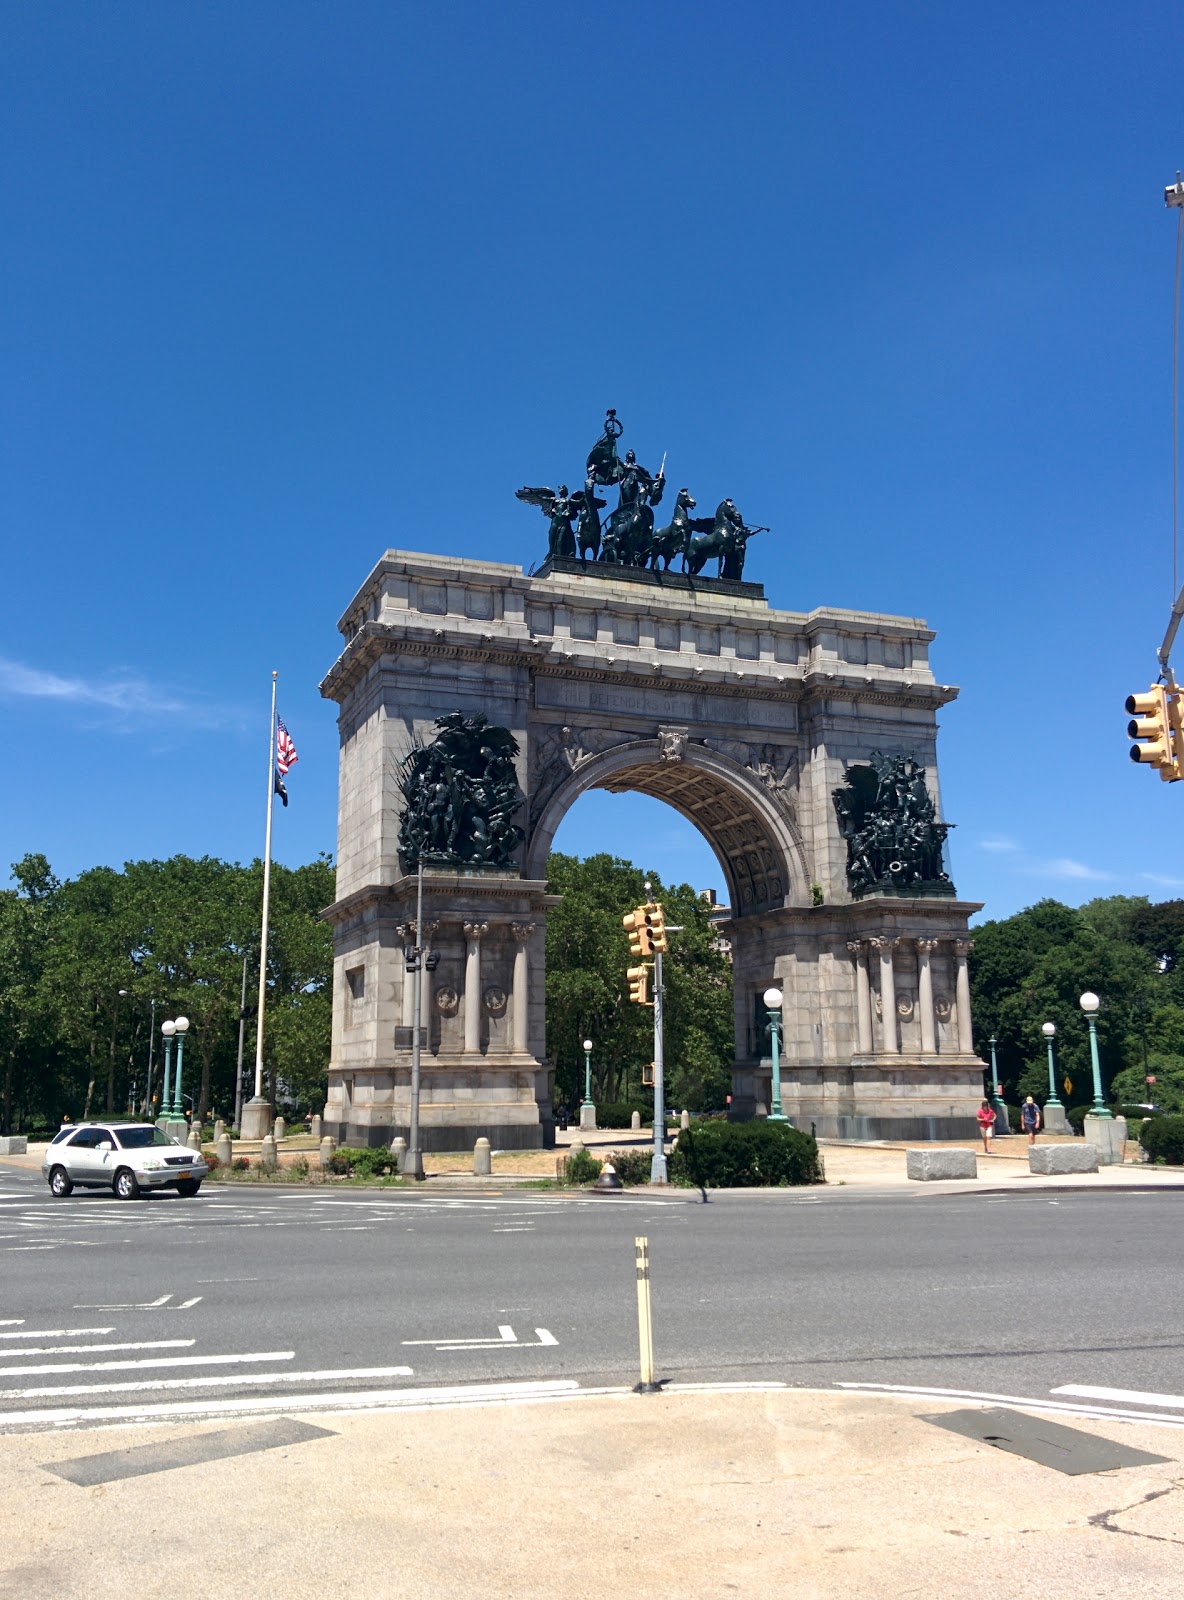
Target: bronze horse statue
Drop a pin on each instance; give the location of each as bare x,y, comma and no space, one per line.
674,539
726,537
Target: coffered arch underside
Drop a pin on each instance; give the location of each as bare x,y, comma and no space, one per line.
750,832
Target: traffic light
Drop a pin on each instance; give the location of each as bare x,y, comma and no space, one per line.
639,977
637,926
655,923
1156,720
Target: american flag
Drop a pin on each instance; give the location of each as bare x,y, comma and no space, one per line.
285,750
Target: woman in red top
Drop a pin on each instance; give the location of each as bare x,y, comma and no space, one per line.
985,1118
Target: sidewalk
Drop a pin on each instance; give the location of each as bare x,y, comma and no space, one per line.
794,1494
866,1167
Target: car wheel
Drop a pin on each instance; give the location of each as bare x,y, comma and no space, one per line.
59,1184
188,1186
125,1185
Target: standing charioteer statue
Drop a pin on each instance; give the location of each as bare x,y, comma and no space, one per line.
629,538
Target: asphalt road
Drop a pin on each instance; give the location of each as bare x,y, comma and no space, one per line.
224,1302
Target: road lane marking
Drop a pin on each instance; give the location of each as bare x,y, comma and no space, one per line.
147,1305
253,1381
1137,1397
90,1349
164,1361
54,1333
903,1391
476,1394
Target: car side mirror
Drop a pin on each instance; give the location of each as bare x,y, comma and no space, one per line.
106,1144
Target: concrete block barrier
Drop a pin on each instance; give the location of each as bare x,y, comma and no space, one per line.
14,1144
1050,1160
931,1166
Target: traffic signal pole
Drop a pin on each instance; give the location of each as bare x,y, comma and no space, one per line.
658,1164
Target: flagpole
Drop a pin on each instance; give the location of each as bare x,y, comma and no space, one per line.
256,1119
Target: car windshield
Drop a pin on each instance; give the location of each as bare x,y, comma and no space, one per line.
141,1138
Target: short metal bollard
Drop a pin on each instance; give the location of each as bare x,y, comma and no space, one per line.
267,1153
482,1159
328,1150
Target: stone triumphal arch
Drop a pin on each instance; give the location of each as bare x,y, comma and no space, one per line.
801,745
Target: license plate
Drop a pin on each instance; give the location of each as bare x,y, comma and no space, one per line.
183,1174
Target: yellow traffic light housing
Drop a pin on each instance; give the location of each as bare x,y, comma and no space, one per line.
647,1075
1156,722
638,930
639,977
655,922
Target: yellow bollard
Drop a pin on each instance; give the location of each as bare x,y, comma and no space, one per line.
645,1321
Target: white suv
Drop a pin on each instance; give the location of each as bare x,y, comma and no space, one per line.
126,1157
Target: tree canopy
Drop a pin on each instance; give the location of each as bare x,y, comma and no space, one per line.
588,996
82,961
1033,968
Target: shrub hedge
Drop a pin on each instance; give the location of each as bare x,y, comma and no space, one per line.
734,1155
1163,1139
375,1163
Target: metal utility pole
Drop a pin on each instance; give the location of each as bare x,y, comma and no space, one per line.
242,1025
413,1160
658,1164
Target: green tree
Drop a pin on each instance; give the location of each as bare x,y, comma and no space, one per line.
1033,968
26,914
587,992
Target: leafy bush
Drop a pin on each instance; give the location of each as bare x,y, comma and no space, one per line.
1135,1113
296,1169
240,1164
632,1166
1163,1139
1075,1116
580,1167
375,1163
619,1114
732,1155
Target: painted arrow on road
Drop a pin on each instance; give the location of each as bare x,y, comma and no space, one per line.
146,1305
505,1340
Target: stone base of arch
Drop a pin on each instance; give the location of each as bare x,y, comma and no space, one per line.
919,1099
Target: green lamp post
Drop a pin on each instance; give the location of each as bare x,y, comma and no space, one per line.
1002,1122
167,1029
587,1072
773,999
1049,1030
180,1028
1089,1003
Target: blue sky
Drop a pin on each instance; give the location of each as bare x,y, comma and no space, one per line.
288,284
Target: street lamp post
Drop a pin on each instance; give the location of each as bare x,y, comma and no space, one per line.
1089,1003
1101,1130
181,1025
773,999
587,1108
1002,1122
167,1029
1054,1112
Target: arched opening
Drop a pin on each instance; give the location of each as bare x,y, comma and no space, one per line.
748,828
